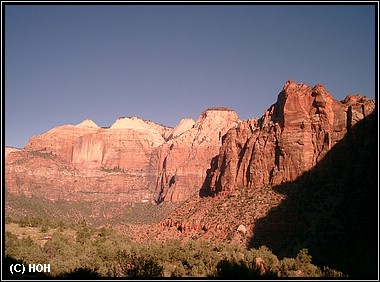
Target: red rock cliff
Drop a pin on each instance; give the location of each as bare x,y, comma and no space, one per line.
86,162
183,161
136,160
131,161
289,139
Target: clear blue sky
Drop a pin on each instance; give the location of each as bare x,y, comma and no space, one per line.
67,63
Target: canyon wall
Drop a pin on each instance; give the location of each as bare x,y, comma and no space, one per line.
292,136
135,160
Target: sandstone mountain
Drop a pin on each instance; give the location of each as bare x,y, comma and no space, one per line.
183,161
135,160
331,209
291,140
291,137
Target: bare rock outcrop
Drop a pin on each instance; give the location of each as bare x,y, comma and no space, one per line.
184,125
86,162
133,160
137,160
183,161
9,149
290,138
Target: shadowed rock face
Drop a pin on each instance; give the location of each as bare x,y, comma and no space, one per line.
331,209
290,138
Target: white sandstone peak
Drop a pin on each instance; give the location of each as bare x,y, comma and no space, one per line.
87,123
184,125
138,124
131,123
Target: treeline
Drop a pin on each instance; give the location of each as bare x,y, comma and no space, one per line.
85,252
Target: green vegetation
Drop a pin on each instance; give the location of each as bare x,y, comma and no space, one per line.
42,153
81,251
114,169
146,213
68,213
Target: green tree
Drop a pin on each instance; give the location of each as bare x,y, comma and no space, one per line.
30,252
327,272
270,260
240,270
12,244
134,265
80,273
57,245
83,234
303,263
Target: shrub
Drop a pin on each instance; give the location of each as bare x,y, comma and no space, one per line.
303,263
133,265
44,228
271,261
83,234
287,265
300,266
239,270
328,272
80,273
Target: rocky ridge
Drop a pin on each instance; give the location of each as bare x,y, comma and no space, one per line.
9,149
292,136
135,160
184,160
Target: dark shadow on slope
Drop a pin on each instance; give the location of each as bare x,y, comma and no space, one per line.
333,209
205,189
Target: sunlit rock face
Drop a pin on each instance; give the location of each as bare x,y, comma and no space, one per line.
184,125
136,160
86,162
183,161
9,149
292,136
122,163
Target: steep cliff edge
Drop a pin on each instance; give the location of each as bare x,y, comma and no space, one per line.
183,161
292,136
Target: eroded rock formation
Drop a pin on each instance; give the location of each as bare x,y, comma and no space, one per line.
183,161
289,139
133,160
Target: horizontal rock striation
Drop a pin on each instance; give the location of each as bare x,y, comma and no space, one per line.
133,160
